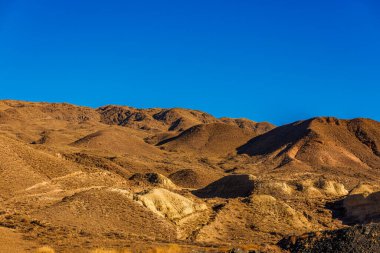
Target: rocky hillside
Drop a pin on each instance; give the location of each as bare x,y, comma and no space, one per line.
75,177
357,239
327,145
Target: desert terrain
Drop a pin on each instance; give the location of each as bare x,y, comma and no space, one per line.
79,179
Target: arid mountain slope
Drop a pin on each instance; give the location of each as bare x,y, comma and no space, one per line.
98,211
115,140
13,111
78,178
46,123
348,146
59,123
154,119
257,127
209,139
21,166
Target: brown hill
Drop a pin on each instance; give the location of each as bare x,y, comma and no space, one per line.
186,178
347,146
117,140
256,218
11,110
21,166
46,123
61,123
232,186
257,127
108,213
175,119
88,178
212,139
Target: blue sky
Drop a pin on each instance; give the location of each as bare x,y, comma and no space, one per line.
266,60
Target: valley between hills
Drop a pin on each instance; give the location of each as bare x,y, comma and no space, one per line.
77,179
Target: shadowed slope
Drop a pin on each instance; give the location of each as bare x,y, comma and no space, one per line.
186,178
358,208
318,142
357,239
232,186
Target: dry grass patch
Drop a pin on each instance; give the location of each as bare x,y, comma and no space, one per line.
45,249
167,249
111,251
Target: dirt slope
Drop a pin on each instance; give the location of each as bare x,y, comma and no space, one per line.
347,146
216,139
78,178
12,242
104,211
116,140
22,166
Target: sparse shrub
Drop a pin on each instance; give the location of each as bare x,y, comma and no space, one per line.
110,251
45,249
167,249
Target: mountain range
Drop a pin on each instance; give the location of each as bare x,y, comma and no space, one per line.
78,178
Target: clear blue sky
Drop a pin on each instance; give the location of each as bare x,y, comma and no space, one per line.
266,60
